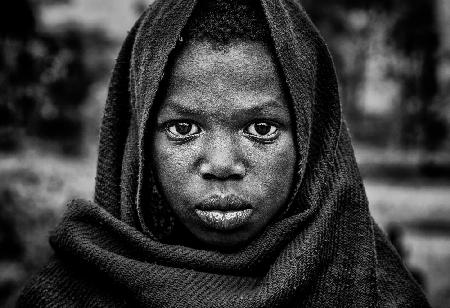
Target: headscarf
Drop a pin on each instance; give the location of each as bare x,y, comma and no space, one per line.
324,251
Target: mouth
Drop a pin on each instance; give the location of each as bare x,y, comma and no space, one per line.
224,213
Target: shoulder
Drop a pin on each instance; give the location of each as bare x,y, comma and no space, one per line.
396,286
59,285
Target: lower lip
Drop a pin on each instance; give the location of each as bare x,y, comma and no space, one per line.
224,220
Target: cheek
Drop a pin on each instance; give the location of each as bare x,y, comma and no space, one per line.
269,177
273,171
173,165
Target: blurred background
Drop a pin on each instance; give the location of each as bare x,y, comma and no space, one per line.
393,62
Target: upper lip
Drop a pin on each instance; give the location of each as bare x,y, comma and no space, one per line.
223,203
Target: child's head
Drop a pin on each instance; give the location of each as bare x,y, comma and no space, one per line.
205,135
223,144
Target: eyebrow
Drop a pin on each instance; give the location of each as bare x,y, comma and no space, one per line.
270,104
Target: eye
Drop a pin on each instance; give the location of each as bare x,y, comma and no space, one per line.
262,130
183,129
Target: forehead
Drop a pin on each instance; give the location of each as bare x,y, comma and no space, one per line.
245,59
240,74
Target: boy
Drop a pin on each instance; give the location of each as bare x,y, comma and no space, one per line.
226,177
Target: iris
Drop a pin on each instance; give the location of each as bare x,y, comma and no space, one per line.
183,128
262,128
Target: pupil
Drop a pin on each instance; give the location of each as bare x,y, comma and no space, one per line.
262,128
183,128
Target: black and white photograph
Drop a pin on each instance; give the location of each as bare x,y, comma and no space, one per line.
225,153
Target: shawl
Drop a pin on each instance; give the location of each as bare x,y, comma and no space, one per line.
324,251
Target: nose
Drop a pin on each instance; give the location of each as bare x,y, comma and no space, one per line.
222,159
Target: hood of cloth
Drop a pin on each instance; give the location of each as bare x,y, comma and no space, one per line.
324,251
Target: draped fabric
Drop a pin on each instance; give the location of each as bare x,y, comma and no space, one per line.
324,251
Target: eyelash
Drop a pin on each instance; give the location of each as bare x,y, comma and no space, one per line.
267,138
181,137
274,129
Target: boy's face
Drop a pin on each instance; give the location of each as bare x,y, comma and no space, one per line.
223,145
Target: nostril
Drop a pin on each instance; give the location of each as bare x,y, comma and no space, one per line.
236,176
208,176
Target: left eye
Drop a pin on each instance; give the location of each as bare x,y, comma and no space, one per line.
262,130
183,129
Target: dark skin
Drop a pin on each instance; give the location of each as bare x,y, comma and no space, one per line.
223,148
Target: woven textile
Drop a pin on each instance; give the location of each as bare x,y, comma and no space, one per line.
324,251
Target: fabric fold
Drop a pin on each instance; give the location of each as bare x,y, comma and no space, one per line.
324,251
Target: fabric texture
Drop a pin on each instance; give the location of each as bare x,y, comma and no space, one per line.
324,251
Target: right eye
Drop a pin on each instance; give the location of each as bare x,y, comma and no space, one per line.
183,129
